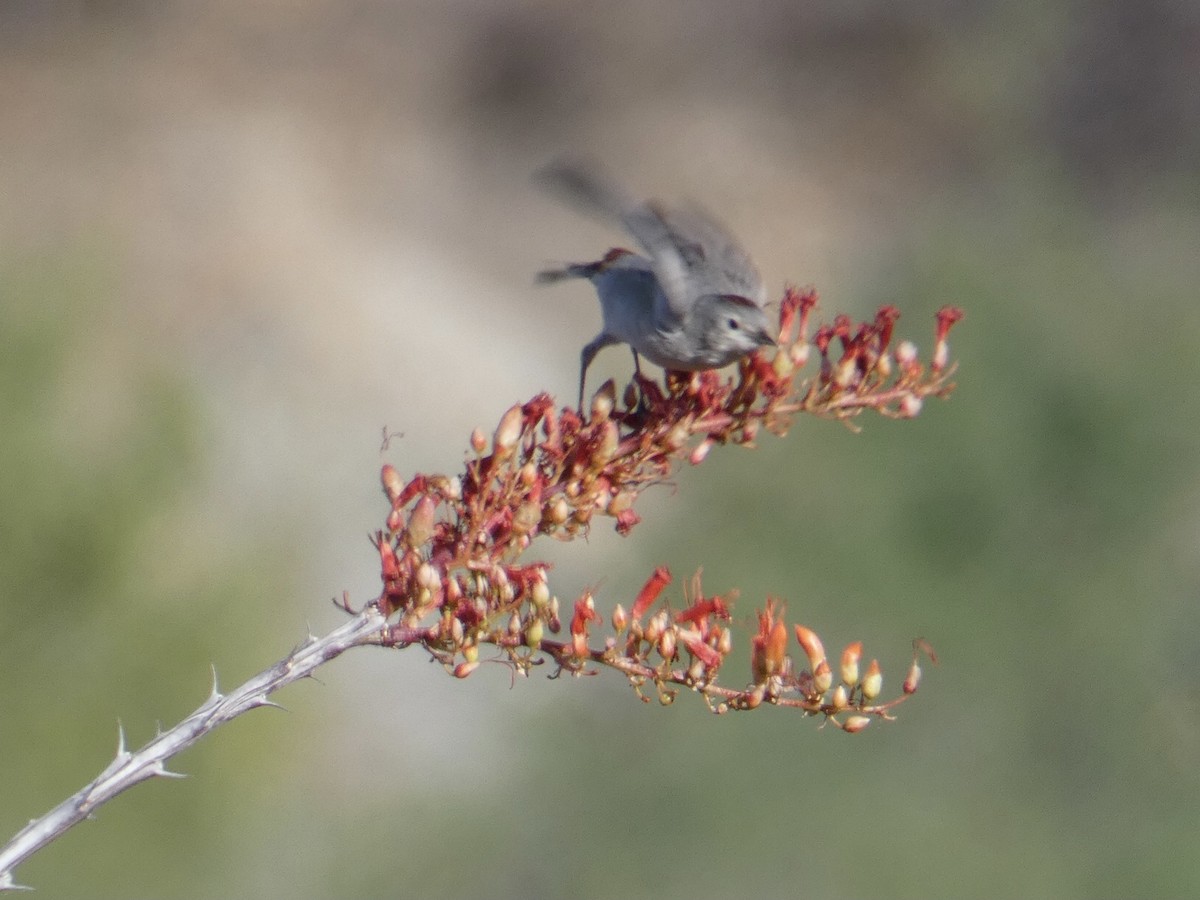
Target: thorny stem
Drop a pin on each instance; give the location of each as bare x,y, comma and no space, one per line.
130,768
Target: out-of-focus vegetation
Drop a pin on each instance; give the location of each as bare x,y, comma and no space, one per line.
238,241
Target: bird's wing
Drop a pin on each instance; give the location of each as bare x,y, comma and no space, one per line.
692,254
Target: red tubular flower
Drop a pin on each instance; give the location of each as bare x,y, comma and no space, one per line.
389,566
885,322
808,302
649,592
537,408
789,307
821,341
768,648
946,318
699,611
418,485
696,646
842,326
585,612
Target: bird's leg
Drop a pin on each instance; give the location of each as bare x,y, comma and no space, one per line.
637,379
599,342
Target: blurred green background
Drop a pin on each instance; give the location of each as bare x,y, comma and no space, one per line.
238,241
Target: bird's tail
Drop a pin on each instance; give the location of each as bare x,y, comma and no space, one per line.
573,270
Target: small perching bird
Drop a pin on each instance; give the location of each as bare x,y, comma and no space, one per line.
696,303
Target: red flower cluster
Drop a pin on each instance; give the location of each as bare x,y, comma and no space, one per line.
450,551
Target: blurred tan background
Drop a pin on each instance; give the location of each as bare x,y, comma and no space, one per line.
238,240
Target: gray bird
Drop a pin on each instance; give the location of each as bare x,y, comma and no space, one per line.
695,303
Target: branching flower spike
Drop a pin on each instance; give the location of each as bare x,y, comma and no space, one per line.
451,552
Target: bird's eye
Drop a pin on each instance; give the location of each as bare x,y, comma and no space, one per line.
733,324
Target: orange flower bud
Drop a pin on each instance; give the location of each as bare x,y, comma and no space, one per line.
822,677
463,669
607,448
662,620
478,440
725,642
678,435
840,698
846,371
872,682
666,644
534,632
622,501
557,511
799,355
508,432
776,655
855,724
700,452
883,366
427,577
813,648
527,517
910,406
913,678
782,364
603,401
420,523
392,483
850,657
619,619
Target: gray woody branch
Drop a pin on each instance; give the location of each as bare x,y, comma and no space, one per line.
128,769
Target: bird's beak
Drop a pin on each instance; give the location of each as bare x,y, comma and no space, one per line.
764,339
